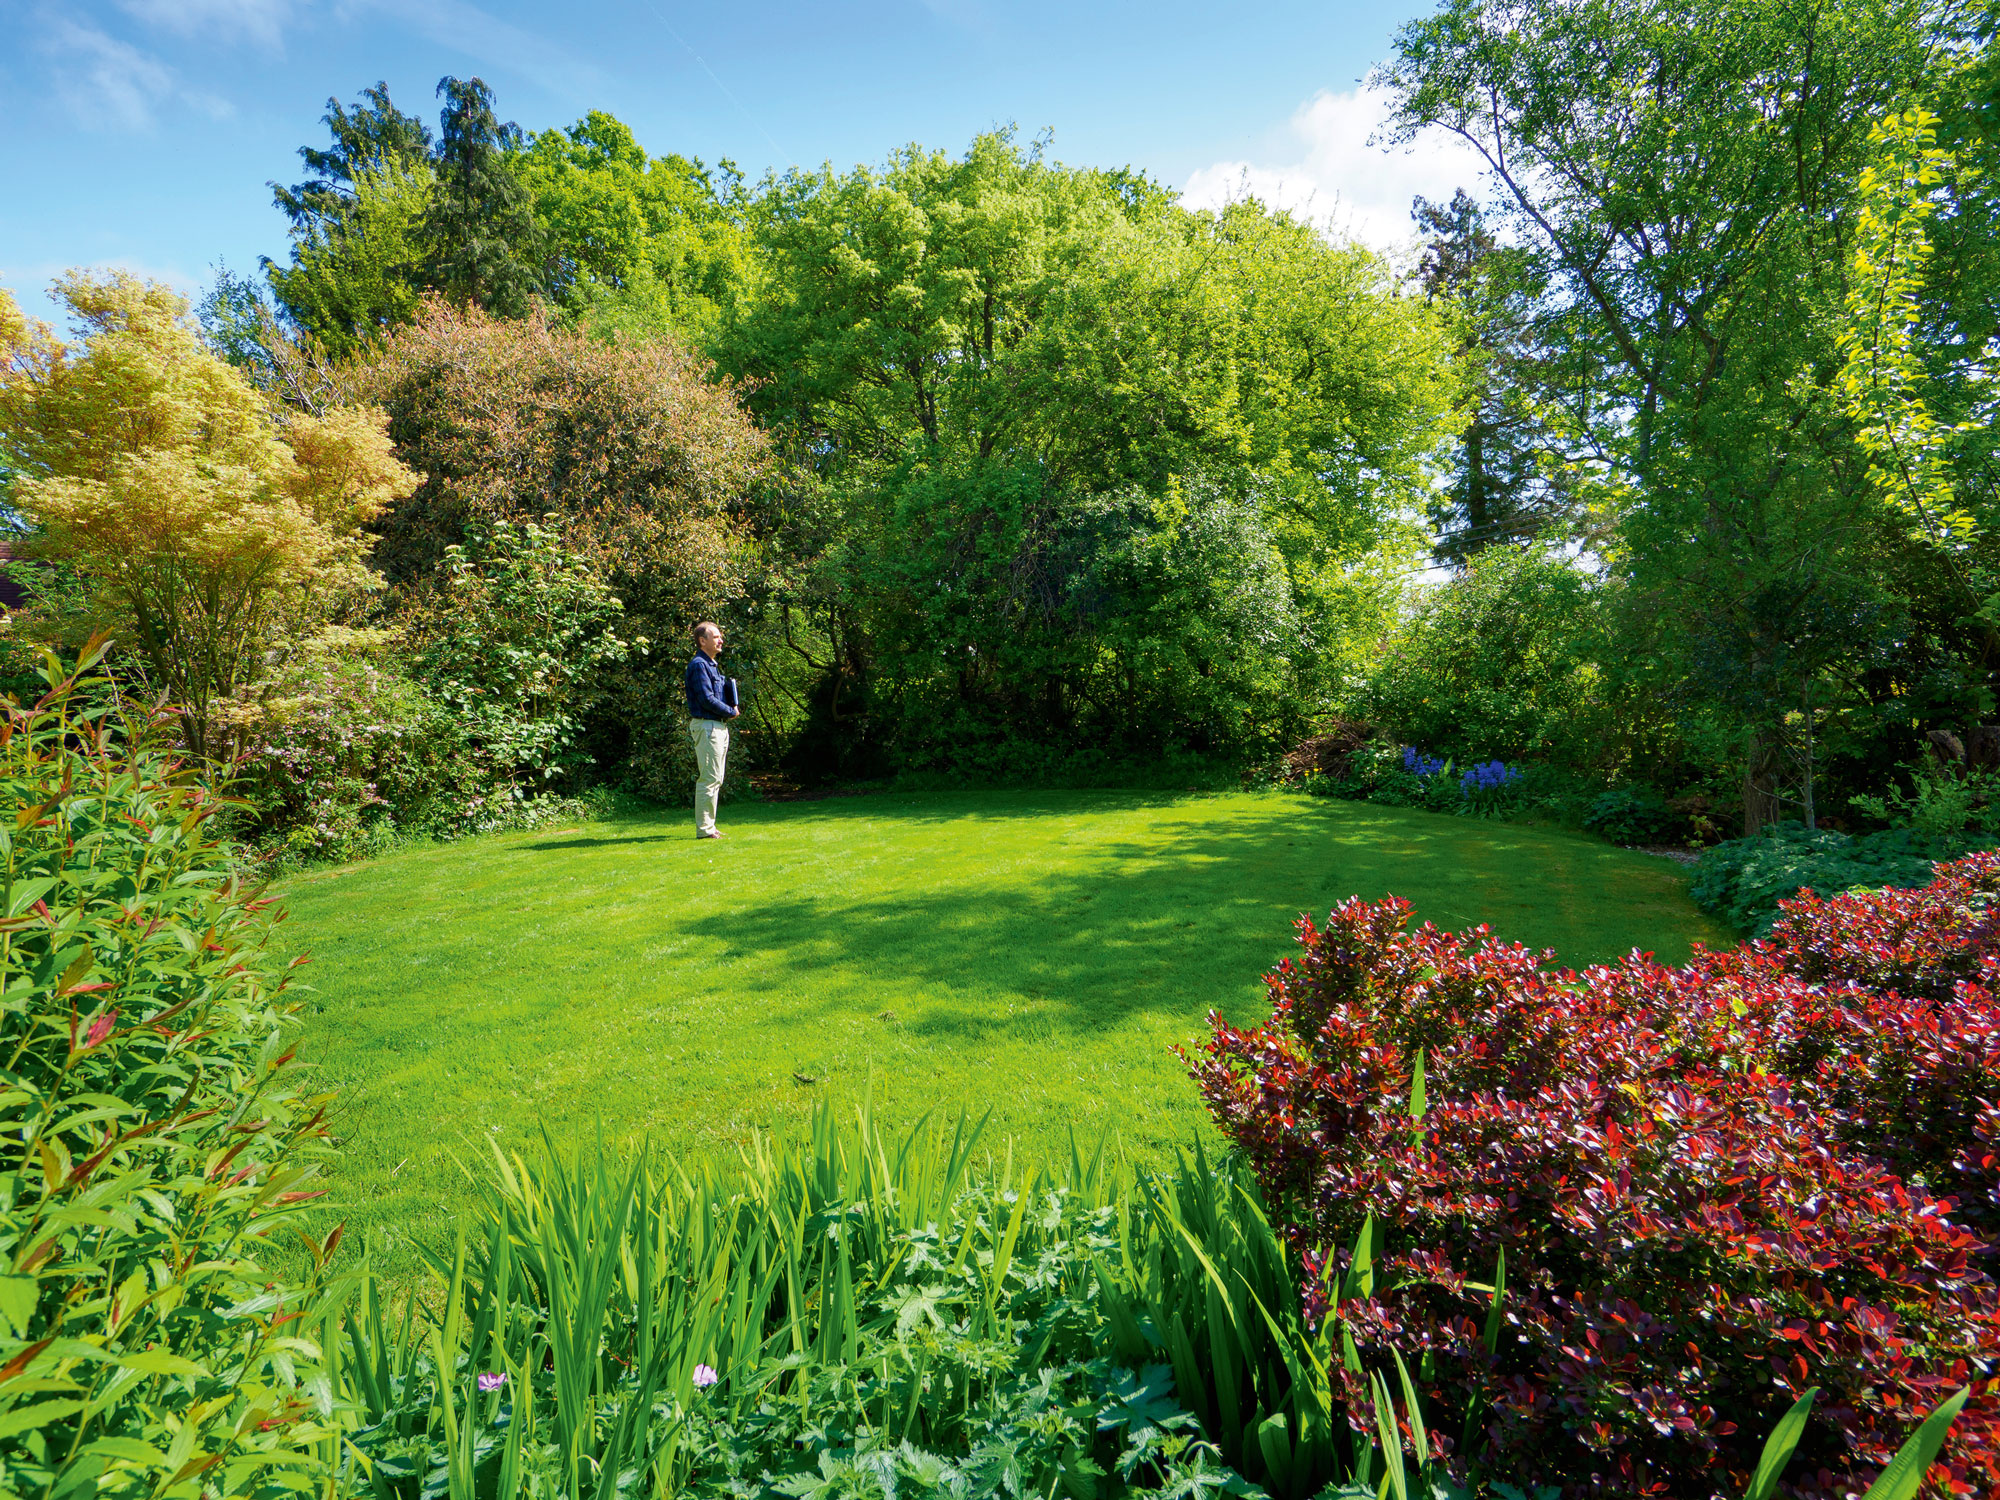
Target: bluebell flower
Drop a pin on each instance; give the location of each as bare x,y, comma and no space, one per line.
1488,776
1422,766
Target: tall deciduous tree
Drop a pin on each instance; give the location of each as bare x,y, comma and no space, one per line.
202,529
631,238
1684,174
1012,379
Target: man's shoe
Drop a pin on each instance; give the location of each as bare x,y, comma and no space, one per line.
708,835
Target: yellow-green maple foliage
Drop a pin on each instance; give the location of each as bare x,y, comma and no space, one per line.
203,528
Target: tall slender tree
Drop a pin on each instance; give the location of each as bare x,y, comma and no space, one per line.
1508,480
482,237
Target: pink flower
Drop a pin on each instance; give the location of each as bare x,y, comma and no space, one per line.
492,1380
704,1377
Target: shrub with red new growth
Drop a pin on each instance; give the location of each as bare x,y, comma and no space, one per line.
1714,1185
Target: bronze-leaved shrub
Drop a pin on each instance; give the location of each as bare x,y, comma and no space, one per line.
1714,1186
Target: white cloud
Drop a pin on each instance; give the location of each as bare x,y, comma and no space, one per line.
105,82
260,21
1337,178
111,85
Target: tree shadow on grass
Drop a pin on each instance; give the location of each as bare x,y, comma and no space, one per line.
1188,922
951,807
547,845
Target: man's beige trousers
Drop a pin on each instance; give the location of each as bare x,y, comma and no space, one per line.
711,749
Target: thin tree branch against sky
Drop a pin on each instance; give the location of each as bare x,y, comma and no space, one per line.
143,133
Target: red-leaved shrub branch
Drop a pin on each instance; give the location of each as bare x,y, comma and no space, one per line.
1714,1186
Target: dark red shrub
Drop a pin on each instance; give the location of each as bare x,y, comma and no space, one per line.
1714,1185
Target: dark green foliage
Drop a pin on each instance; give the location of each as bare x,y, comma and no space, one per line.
512,639
1020,624
1507,484
1634,814
1504,660
152,1129
368,138
1743,880
484,242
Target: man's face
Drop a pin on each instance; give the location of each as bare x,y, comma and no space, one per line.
711,643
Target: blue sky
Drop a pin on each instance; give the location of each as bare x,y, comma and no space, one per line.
142,133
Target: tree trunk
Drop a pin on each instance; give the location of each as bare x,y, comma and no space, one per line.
1760,783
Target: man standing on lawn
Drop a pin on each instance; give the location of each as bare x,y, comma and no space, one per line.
708,726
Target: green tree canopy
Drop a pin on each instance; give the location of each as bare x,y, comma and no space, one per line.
1683,176
486,216
1046,410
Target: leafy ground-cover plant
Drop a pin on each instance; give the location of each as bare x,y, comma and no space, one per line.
1743,881
1704,1189
151,1130
856,1316
1632,815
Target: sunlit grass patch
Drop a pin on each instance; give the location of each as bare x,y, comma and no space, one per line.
1035,954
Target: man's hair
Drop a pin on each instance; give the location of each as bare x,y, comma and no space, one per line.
703,629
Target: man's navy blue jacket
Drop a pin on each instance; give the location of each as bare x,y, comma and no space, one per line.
705,689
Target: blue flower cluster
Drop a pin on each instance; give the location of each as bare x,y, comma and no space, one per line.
1423,765
1489,777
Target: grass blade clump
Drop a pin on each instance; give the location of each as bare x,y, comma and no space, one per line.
852,1308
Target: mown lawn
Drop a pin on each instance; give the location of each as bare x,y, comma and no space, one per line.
1035,954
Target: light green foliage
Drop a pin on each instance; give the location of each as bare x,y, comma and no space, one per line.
1013,379
999,306
1915,459
361,271
154,1130
487,216
1942,800
1685,175
1502,661
1032,952
512,639
632,239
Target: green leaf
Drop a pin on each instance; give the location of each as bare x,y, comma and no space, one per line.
131,1450
28,1418
1905,1474
27,892
1492,1334
1779,1446
18,1296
